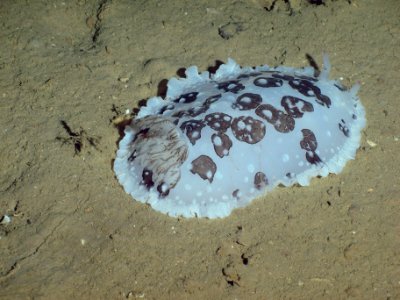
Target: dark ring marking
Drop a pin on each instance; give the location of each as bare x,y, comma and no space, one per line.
205,167
248,129
187,98
268,82
310,144
233,86
147,178
260,180
281,121
296,107
343,128
247,101
192,129
218,121
222,144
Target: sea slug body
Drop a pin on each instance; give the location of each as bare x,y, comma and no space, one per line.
217,141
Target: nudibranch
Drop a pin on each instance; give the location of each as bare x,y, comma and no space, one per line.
217,141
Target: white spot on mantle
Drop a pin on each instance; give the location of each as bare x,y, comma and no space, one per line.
285,157
250,168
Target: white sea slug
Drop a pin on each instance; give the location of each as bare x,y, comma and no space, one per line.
217,141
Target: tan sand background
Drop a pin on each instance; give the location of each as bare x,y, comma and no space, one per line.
75,234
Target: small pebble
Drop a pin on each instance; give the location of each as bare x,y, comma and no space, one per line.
5,220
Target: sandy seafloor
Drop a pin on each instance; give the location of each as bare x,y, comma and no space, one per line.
75,234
